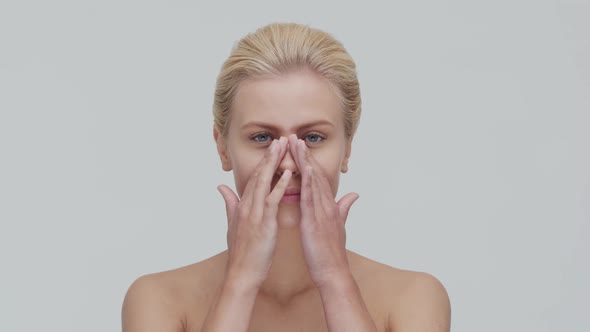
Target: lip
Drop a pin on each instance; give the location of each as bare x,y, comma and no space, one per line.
292,191
292,195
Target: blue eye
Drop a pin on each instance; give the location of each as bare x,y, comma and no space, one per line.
313,138
262,138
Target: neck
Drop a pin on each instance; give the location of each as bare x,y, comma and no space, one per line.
288,276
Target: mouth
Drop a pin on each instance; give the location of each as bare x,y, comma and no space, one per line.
291,195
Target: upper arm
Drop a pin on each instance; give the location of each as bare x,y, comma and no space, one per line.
149,307
424,306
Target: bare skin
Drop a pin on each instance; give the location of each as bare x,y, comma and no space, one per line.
178,300
286,267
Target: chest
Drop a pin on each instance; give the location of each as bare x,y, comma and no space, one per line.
306,313
306,316
295,323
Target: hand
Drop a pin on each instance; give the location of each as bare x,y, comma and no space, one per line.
323,235
252,224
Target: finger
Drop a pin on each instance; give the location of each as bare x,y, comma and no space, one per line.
267,173
293,142
303,160
250,190
231,200
269,157
307,159
306,200
270,163
317,193
250,185
274,198
325,190
345,203
284,146
321,192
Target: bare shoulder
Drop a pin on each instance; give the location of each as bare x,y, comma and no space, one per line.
411,300
159,301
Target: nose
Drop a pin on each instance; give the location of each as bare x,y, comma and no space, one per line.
288,163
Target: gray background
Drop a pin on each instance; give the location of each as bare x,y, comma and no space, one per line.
472,159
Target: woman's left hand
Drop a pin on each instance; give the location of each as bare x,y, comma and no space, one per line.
323,235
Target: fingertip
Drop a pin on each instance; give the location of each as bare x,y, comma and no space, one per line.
222,190
353,197
347,200
302,150
272,147
287,174
226,192
292,140
284,143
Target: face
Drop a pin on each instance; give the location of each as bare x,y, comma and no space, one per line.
300,103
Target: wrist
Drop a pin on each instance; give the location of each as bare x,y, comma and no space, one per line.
337,283
240,285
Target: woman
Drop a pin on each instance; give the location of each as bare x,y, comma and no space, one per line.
287,104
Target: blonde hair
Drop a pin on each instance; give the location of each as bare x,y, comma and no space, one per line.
279,48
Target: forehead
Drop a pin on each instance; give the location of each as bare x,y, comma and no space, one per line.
287,100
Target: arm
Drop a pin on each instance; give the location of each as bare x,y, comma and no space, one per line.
251,238
232,308
323,239
252,229
344,307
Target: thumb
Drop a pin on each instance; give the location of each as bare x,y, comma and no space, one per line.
345,203
231,200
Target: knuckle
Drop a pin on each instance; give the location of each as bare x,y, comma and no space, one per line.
242,213
256,173
263,178
331,213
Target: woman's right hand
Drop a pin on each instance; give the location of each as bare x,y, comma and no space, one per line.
252,220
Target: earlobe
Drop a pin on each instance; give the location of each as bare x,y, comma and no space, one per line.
222,150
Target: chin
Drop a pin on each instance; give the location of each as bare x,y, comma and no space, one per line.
289,215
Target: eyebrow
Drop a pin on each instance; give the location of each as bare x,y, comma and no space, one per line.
270,126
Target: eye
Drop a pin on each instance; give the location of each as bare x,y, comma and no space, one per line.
261,138
313,138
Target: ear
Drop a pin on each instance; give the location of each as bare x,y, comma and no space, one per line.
222,150
344,166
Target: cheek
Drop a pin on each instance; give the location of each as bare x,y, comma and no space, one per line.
244,165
